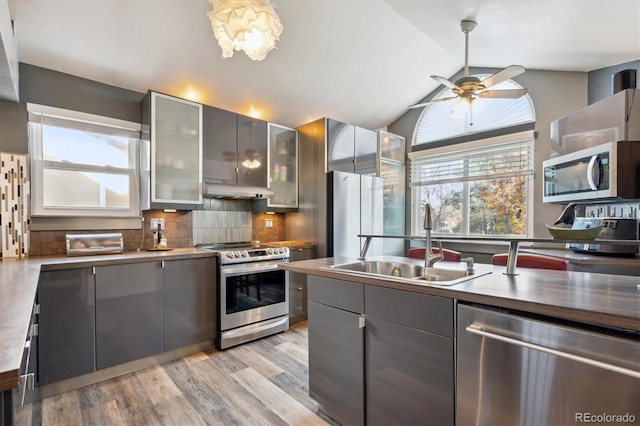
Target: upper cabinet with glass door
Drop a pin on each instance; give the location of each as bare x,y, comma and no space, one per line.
350,148
283,166
176,152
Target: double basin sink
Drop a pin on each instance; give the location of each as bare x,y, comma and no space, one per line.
403,271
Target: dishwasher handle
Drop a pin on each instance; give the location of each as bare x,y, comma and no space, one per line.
477,329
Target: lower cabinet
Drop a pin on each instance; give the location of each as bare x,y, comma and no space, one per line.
66,324
128,312
189,315
409,358
398,369
336,349
298,286
94,318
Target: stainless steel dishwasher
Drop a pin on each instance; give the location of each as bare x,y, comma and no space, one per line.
516,370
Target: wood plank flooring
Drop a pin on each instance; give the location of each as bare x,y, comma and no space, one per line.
264,382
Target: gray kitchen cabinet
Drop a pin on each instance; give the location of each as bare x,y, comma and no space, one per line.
252,151
128,312
220,148
171,153
409,358
351,148
189,302
298,285
235,149
66,341
336,349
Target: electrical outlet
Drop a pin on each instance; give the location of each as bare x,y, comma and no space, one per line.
154,224
268,223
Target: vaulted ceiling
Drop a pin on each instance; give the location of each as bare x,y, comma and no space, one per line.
359,61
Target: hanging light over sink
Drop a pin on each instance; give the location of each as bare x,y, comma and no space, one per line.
252,26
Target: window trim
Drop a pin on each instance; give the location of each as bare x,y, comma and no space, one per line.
88,122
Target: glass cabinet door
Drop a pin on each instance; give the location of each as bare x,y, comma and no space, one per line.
283,166
392,170
176,150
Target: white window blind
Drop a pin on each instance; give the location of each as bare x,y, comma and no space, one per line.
480,161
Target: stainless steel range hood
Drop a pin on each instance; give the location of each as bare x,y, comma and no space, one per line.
219,190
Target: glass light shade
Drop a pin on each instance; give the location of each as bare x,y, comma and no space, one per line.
248,25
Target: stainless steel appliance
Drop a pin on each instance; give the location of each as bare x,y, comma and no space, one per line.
612,229
513,370
253,293
605,172
355,206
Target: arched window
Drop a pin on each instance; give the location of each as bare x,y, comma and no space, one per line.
477,186
448,119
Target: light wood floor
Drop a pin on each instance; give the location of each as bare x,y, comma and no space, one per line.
264,382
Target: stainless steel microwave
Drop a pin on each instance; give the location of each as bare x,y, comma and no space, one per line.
604,172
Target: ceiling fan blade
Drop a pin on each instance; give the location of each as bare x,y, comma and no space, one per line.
444,82
507,93
449,98
500,76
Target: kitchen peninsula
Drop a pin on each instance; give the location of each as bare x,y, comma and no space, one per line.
481,349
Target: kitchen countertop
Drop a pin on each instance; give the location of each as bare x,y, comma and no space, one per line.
609,300
18,285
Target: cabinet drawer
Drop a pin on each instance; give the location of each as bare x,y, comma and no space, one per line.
339,294
429,313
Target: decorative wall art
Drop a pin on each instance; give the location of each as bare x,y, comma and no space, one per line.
14,205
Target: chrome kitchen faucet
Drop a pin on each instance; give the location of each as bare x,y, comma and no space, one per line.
430,258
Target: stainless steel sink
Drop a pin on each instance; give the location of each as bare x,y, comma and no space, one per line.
382,267
408,272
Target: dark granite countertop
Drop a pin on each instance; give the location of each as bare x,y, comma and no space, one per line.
18,285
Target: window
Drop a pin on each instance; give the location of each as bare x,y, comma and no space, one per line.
82,164
476,188
447,119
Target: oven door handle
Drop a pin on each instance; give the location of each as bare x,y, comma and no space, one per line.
250,267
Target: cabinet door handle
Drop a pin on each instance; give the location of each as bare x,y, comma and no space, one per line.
361,321
34,330
300,288
36,309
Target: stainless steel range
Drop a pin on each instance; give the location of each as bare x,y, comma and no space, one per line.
253,293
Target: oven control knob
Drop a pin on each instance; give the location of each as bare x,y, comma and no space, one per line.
230,255
269,251
238,254
245,253
279,251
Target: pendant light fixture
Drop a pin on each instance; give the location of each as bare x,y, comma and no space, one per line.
252,26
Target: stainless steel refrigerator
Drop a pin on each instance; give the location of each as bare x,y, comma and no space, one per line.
354,206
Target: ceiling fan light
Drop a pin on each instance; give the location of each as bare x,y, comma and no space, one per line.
251,163
252,26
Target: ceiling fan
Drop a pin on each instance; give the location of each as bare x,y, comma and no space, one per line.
467,89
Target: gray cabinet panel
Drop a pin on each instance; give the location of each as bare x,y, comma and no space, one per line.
66,341
429,313
409,375
298,286
252,143
340,294
128,312
189,302
220,141
336,370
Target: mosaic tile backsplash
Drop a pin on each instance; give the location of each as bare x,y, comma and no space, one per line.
14,205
